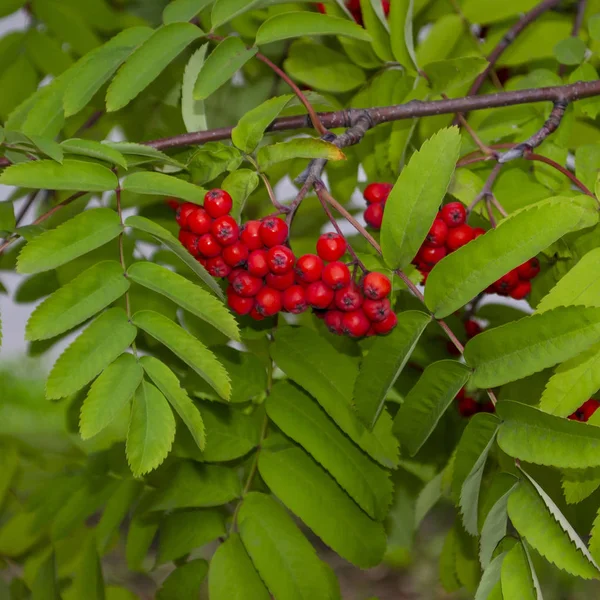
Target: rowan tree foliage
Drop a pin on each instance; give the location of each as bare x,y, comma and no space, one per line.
238,390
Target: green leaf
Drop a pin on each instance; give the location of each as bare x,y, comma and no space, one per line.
198,486
298,148
570,51
164,236
97,67
383,364
45,583
534,436
151,430
89,581
9,464
453,73
537,519
109,394
10,6
72,174
142,530
441,39
594,538
301,418
531,344
309,492
460,276
159,184
186,347
94,150
490,579
240,184
166,381
297,24
517,579
231,557
7,217
225,10
184,582
491,11
401,37
580,487
96,348
192,110
148,61
77,236
249,131
329,376
142,153
220,66
183,531
78,300
415,199
594,26
182,11
427,401
283,557
376,26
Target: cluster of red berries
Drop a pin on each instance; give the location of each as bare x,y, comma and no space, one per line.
354,7
468,406
585,411
265,277
376,195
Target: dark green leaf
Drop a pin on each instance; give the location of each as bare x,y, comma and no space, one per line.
88,581
570,51
184,582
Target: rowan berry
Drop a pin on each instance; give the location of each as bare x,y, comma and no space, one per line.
506,283
273,231
199,221
309,268
331,246
472,328
336,275
258,264
217,203
530,269
431,255
487,407
386,325
377,192
268,302
255,314
333,321
467,406
459,236
246,285
234,273
217,267
236,254
280,259
239,304
183,212
478,231
376,286
437,233
522,289
376,310
250,236
225,230
374,215
294,299
172,203
318,295
355,323
281,282
188,241
208,246
348,298
454,214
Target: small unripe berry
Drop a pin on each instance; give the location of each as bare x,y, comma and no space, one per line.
348,298
437,234
281,282
225,230
506,283
250,235
273,231
208,246
355,323
376,310
280,259
386,325
376,286
374,215
268,302
239,304
199,221
217,203
336,275
522,289
294,299
246,285
333,321
217,267
318,295
183,212
331,246
235,254
431,255
377,192
530,269
454,214
459,236
309,268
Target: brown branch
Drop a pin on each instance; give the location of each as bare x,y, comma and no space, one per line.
563,170
486,191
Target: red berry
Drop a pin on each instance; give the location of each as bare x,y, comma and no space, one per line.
309,268
376,310
236,254
225,230
386,7
199,221
281,282
376,286
506,283
172,203
239,304
459,236
336,275
472,328
437,234
385,326
467,406
321,7
587,409
256,315
189,241
487,407
318,295
258,264
268,302
183,212
333,321
273,231
431,255
294,299
217,267
355,323
377,192
348,298
374,215
478,231
530,269
331,246
454,214
234,273
280,259
521,290
246,285
217,203
208,246
250,236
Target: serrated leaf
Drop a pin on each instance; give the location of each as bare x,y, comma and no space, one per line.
225,10
148,61
192,110
7,217
182,11
109,394
283,557
461,275
159,184
309,492
151,430
97,67
383,364
490,579
166,381
310,361
191,351
141,151
427,401
516,577
231,557
401,38
537,519
184,582
297,24
416,197
249,131
375,23
531,344
531,435
298,148
94,150
579,488
96,348
89,581
78,300
75,175
452,73
164,236
428,497
220,66
301,418
240,184
77,236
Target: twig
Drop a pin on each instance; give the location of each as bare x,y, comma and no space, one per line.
26,206
563,170
90,122
280,207
490,212
577,23
487,188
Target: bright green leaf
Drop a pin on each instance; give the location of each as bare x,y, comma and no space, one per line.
298,148
225,10
94,150
400,20
182,11
160,184
192,110
184,582
453,73
517,579
570,51
240,184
